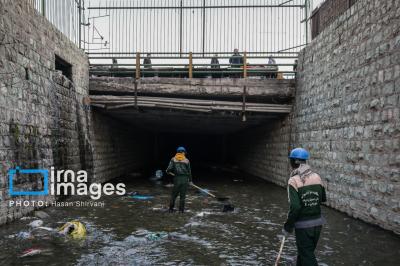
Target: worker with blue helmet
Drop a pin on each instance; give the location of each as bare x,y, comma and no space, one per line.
179,168
181,149
306,193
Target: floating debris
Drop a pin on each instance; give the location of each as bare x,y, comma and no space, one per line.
45,228
27,218
36,223
202,214
157,236
22,235
32,252
142,197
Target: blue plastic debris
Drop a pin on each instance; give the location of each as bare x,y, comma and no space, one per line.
157,236
142,197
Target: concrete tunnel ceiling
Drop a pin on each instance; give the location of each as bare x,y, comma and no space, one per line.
200,106
173,121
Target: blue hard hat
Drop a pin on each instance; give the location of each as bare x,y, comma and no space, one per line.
181,149
299,153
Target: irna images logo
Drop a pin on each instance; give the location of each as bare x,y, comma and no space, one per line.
63,182
13,172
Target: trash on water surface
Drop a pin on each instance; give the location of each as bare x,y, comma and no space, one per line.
136,195
141,232
202,214
27,218
32,252
159,173
45,228
75,229
36,223
169,185
22,235
157,236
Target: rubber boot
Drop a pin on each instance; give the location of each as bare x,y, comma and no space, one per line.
182,208
171,208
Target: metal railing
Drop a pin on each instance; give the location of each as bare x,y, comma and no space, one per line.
200,26
201,65
170,30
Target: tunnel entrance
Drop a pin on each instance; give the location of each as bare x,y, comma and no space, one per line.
210,117
212,141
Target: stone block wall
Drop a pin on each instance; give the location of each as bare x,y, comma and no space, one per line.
118,148
347,114
45,119
42,119
263,151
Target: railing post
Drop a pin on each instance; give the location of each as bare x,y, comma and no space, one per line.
181,28
190,65
245,64
204,26
244,119
44,8
80,24
137,65
137,78
306,18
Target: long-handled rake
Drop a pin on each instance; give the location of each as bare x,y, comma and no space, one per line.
227,206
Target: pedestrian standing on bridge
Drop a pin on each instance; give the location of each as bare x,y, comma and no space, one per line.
271,60
215,66
215,62
179,168
147,61
305,193
236,60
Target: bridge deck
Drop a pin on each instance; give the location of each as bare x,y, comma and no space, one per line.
264,90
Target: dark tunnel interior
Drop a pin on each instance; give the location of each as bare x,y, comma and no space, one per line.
204,149
212,142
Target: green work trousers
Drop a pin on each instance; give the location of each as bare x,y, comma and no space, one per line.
306,241
180,188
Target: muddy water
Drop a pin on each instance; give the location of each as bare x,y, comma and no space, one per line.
118,234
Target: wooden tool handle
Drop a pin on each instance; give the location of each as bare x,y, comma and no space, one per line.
205,191
280,251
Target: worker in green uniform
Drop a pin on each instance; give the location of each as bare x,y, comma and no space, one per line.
179,168
305,193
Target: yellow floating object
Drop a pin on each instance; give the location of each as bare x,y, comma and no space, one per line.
79,231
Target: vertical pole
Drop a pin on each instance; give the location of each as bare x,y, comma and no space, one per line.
137,65
137,77
136,85
80,24
306,2
245,64
244,104
181,28
204,26
44,8
190,65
